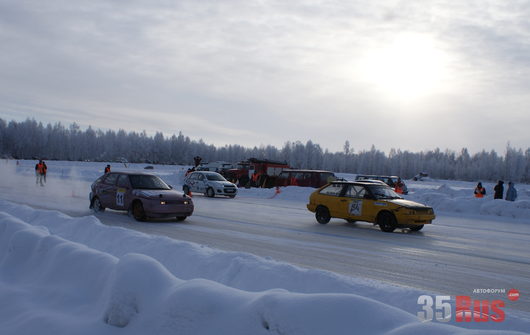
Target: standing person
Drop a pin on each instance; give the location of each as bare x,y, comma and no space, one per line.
399,187
107,168
480,191
40,172
499,190
45,171
37,174
511,192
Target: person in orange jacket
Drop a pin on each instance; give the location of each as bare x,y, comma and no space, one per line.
480,191
40,172
399,187
107,168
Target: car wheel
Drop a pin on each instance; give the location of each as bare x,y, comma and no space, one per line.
322,215
186,189
416,228
181,218
351,221
96,205
210,192
138,211
386,222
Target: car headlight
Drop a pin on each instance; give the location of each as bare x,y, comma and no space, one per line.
407,211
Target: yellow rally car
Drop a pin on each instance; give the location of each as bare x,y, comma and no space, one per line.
369,201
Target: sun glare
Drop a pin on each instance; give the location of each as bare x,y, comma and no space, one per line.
408,67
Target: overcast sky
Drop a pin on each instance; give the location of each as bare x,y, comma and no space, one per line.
413,75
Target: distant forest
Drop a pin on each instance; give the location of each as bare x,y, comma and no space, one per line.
33,140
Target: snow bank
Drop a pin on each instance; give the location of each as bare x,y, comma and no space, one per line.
63,275
461,200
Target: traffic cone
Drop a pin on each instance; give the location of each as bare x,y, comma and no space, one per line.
278,191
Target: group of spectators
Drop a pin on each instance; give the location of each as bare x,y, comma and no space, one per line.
41,169
498,191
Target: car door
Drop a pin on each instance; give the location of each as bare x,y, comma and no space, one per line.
201,183
123,192
356,204
330,197
107,191
191,182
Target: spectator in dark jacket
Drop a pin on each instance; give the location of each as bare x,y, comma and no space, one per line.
499,190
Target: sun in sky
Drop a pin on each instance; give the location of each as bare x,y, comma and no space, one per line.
408,66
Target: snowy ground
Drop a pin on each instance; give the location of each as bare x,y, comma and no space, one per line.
256,264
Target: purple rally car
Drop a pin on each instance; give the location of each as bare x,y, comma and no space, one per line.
141,194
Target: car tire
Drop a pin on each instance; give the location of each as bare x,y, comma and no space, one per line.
416,228
386,222
180,218
138,211
210,192
322,215
186,189
96,205
351,221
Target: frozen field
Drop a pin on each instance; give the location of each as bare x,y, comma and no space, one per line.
255,264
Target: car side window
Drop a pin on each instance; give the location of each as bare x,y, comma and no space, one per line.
111,179
123,181
200,177
360,191
333,189
350,192
355,191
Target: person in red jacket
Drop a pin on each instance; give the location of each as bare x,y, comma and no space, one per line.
40,172
107,168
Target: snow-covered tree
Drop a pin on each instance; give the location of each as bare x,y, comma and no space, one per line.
30,139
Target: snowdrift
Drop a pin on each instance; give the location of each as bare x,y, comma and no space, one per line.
64,275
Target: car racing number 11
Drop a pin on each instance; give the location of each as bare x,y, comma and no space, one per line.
119,197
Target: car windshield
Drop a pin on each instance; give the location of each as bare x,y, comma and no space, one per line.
215,177
383,192
147,182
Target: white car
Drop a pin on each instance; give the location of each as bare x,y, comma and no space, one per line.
209,183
